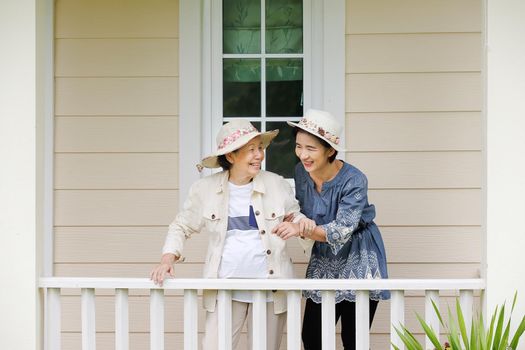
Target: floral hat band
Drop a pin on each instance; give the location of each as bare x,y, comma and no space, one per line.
235,136
232,136
323,125
314,128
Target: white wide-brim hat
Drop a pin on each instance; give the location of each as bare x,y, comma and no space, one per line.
322,125
232,136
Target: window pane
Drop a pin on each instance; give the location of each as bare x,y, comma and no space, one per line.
284,26
280,155
284,87
241,26
241,87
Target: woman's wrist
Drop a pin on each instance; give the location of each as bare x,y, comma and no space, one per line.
169,259
308,231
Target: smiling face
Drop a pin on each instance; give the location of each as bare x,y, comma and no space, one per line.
246,161
311,152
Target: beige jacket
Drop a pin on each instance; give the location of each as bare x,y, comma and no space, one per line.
206,211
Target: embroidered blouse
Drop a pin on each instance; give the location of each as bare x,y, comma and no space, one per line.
354,247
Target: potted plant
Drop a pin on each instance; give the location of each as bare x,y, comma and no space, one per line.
493,337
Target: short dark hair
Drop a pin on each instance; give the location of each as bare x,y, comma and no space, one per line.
224,162
325,144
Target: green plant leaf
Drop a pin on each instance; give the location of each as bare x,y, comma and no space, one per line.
436,310
482,334
429,331
517,335
453,333
505,338
462,326
408,339
491,329
499,327
474,334
514,301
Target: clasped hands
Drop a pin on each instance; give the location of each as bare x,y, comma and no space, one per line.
288,229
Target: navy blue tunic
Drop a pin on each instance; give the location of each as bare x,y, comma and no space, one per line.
354,247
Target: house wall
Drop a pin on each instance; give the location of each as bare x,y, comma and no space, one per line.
413,125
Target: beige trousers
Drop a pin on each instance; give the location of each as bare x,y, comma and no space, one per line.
242,312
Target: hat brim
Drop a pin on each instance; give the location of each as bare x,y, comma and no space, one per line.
267,137
333,145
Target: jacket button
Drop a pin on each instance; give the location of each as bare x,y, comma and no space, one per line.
271,272
273,215
263,232
213,216
257,212
268,252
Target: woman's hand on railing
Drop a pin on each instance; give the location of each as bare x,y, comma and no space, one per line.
165,267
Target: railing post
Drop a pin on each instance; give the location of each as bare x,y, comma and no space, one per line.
431,317
191,331
224,305
259,320
156,314
328,319
53,319
293,322
121,319
397,317
362,322
466,300
88,319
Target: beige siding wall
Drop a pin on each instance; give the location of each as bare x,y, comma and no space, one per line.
413,126
116,150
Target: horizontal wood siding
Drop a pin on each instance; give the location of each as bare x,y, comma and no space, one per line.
116,146
414,126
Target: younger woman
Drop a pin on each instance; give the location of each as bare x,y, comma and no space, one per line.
333,194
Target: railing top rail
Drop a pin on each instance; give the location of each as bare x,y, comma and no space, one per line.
263,284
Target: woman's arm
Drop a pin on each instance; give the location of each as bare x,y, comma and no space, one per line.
350,208
187,222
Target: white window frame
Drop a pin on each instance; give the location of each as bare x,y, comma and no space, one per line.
200,48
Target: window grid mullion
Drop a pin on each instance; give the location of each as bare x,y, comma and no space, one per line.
263,71
267,55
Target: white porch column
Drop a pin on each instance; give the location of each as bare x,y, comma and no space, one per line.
505,146
19,192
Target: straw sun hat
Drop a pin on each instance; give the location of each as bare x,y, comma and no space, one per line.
232,136
322,125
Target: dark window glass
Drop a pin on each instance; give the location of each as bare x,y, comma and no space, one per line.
280,155
241,87
284,87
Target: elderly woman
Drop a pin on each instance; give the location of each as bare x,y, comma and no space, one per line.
334,195
237,208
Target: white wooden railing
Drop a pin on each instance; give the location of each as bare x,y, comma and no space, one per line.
293,287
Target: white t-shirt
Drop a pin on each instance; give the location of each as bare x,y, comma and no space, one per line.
243,255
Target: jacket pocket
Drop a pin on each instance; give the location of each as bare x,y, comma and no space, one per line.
212,220
211,215
274,214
